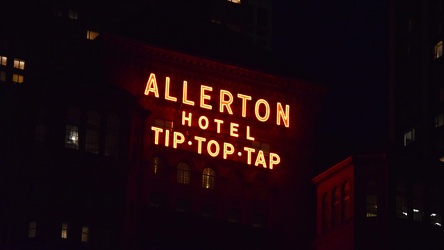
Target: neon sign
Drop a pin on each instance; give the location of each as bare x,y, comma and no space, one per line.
262,112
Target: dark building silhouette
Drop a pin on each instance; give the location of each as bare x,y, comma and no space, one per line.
395,197
126,128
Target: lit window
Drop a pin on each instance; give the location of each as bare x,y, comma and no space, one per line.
2,76
208,178
325,213
112,136
336,207
346,212
439,120
72,128
371,200
85,234
19,64
438,50
16,78
92,132
91,35
235,1
32,230
72,14
64,232
3,60
418,203
401,203
183,173
409,136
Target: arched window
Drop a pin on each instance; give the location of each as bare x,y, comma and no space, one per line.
72,128
183,173
208,178
401,199
325,212
371,200
336,207
92,132
346,209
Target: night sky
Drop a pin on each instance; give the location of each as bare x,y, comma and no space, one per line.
343,46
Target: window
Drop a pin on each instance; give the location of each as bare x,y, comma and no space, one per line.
409,137
418,202
401,203
183,173
371,200
3,60
235,1
234,215
92,134
183,205
112,136
166,125
259,220
91,35
208,210
336,206
439,120
438,50
157,165
325,212
72,14
16,78
64,232
265,147
156,200
208,178
32,230
2,76
19,64
85,234
346,212
72,128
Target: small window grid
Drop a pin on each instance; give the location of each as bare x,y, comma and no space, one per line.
183,173
3,60
64,231
17,78
72,14
439,50
32,230
91,35
208,178
19,64
85,234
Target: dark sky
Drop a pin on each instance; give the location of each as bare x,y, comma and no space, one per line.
343,45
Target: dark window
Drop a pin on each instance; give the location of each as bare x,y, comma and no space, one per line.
183,173
92,134
371,200
336,207
112,136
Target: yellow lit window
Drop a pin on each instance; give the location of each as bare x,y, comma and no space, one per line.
85,234
32,230
2,76
72,14
3,60
19,64
208,178
235,1
16,78
438,50
64,232
91,35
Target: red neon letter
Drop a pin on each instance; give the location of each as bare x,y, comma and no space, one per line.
199,143
285,116
249,151
218,123
225,103
184,95
260,159
274,160
267,110
176,139
228,149
157,131
244,98
186,119
248,134
233,129
213,142
167,91
151,86
201,125
204,97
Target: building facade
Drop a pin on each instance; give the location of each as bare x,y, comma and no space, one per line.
111,142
